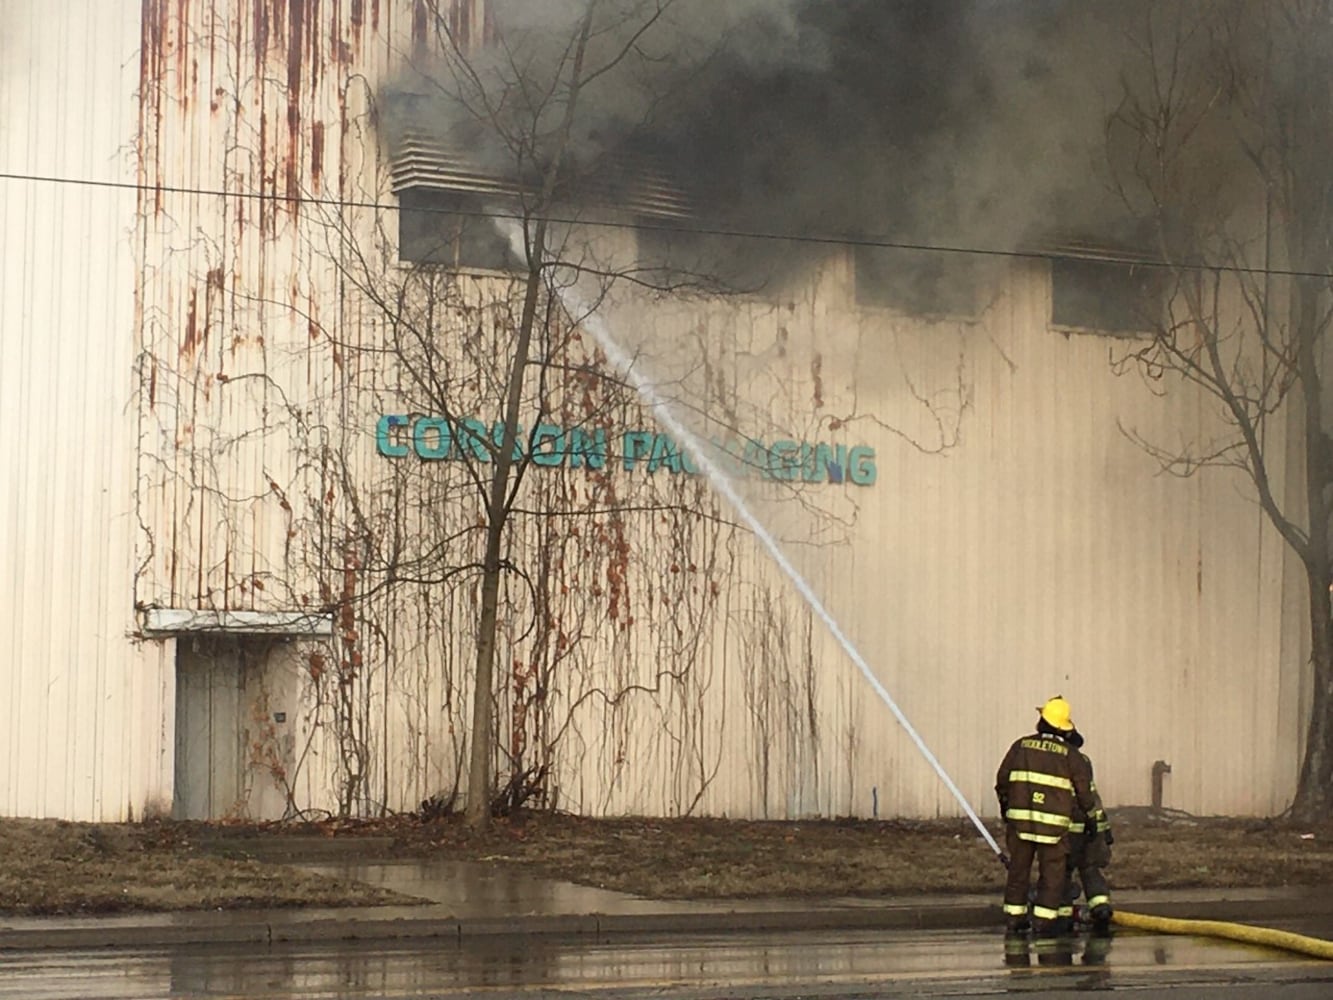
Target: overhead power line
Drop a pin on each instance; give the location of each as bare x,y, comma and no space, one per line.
811,239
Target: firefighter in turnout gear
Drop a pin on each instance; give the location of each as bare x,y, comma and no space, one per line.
1041,781
1090,841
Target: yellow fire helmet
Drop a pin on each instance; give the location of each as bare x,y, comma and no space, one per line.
1056,713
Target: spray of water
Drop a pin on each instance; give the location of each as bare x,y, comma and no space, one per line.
634,373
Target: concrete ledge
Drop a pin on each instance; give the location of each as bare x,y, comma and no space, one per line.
152,931
815,919
128,936
594,926
160,623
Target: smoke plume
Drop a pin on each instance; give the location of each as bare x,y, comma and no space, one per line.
959,122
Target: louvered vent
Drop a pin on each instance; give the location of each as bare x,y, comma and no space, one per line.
625,181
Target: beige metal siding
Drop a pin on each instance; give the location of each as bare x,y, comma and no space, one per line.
1016,544
1045,553
81,703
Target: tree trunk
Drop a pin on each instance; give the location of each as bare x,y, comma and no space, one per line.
478,810
1314,789
479,791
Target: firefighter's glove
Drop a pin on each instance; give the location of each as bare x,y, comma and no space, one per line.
1110,837
1090,828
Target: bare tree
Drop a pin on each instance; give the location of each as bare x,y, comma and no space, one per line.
1222,140
453,339
538,120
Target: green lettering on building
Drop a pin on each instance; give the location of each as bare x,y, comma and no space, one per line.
435,439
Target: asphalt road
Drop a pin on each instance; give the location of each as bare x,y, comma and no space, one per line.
825,965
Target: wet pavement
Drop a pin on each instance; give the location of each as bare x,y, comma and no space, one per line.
796,964
461,900
487,927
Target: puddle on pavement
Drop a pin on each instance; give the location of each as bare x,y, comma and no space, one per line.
477,889
355,969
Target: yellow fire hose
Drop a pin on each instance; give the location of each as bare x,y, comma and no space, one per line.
1315,947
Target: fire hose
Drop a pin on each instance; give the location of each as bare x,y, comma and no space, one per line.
1266,936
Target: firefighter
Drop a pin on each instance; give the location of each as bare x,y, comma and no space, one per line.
1040,781
1090,841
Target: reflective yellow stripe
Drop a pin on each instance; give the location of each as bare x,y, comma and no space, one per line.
1044,912
1098,900
1038,778
1040,838
1016,909
1045,818
1066,911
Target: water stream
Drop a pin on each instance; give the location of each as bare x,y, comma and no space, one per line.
633,371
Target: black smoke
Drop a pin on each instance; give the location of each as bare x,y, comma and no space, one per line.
944,120
978,123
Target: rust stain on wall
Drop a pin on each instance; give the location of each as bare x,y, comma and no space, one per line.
151,71
316,154
186,67
261,33
214,287
313,51
244,116
191,339
295,63
419,22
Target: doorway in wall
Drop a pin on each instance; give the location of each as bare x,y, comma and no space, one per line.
233,740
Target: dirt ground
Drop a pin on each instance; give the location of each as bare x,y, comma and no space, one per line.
51,867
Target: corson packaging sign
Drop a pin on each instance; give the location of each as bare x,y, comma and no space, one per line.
435,439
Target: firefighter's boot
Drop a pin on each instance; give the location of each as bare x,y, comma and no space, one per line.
1016,953
1101,917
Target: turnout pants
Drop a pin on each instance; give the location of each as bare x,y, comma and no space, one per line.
1086,856
1050,859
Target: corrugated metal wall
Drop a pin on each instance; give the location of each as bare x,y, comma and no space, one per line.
1044,553
1014,545
81,706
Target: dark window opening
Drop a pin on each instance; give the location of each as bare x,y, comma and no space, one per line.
663,248
1108,296
919,282
451,230
670,253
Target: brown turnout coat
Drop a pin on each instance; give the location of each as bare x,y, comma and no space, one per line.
1090,850
1042,783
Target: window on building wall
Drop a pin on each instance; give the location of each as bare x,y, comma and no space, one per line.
451,229
919,282
1106,296
662,246
671,252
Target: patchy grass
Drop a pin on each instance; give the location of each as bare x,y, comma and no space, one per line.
703,859
49,867
52,867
